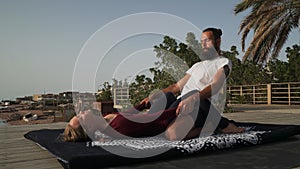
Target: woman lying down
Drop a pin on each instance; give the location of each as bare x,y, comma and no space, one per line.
131,123
118,125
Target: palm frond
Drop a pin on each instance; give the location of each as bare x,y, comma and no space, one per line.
271,21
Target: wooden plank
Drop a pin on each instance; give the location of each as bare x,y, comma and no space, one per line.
49,163
18,152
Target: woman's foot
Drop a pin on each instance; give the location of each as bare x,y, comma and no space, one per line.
231,128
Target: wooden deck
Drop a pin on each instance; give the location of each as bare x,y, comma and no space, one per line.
18,152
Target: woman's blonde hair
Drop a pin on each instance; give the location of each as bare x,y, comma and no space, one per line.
74,134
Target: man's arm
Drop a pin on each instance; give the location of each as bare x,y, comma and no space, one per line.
187,105
216,84
177,87
174,88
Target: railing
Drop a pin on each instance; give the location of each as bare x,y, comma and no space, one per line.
273,93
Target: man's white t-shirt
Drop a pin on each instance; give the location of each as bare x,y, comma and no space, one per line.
202,74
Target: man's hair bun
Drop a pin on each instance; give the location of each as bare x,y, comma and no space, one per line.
220,32
216,32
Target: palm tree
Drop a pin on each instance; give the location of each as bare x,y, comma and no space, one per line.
271,21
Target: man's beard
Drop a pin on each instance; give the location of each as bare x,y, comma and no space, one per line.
209,53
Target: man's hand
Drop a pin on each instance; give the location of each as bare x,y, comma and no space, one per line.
146,101
187,105
151,98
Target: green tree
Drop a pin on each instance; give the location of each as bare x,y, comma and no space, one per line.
140,89
237,71
286,71
278,71
293,55
193,45
245,73
105,93
175,59
271,22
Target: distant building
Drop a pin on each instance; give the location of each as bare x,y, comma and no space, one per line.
8,102
67,97
24,100
37,97
121,97
49,99
105,107
84,101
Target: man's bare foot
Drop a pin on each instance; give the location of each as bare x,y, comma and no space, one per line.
231,128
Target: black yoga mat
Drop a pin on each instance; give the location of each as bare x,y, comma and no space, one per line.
117,152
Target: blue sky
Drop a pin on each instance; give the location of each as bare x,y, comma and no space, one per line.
42,39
